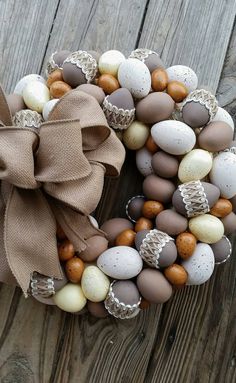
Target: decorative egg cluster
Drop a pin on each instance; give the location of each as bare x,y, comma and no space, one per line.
176,231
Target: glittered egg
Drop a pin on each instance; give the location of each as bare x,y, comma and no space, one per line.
176,274
95,284
177,90
200,265
59,88
195,165
136,135
159,79
15,102
74,268
108,83
93,90
223,174
24,81
153,286
158,189
120,262
134,207
215,136
164,164
186,244
171,222
221,208
47,108
144,161
114,226
155,107
96,245
35,95
143,224
79,67
110,61
224,116
70,298
206,228
151,209
56,75
134,75
149,57
174,137
119,109
126,238
222,250
183,74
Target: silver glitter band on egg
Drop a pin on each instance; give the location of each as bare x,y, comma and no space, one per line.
117,118
40,285
194,198
152,246
51,65
127,207
27,118
86,62
230,252
141,54
119,309
205,98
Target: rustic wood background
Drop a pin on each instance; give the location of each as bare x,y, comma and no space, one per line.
192,337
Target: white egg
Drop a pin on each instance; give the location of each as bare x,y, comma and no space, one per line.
200,265
183,74
174,137
36,95
110,61
93,221
70,298
223,115
223,174
95,284
144,161
195,165
47,108
120,262
20,86
134,75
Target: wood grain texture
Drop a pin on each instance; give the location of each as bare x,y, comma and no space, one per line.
191,338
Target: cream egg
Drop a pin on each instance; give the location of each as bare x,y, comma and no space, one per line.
95,284
195,165
206,228
70,298
36,95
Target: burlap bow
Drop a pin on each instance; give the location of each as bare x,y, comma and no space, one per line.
55,173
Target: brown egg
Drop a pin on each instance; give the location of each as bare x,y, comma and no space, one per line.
216,136
143,224
151,145
165,165
56,75
96,245
171,222
176,274
59,88
60,233
97,309
159,79
158,189
93,90
126,238
66,250
108,83
144,304
233,201
134,207
195,114
74,269
153,286
222,249
113,227
151,209
155,107
177,90
229,223
221,208
15,103
185,243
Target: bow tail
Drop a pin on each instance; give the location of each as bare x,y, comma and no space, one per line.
30,236
77,227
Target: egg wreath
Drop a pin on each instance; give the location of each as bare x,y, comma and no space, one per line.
56,147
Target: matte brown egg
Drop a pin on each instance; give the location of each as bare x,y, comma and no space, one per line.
229,223
15,103
108,83
56,75
233,201
153,286
60,233
153,61
171,222
151,209
134,207
176,274
185,243
97,309
221,208
93,90
143,224
60,56
96,245
159,79
59,88
113,227
215,136
73,74
122,99
155,107
165,165
195,115
158,189
144,304
126,238
222,249
177,90
74,268
126,292
151,145
66,250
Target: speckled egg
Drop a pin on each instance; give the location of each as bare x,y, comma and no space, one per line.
120,262
134,75
136,135
155,107
15,102
95,284
200,265
153,286
164,164
224,116
173,137
144,161
186,244
183,74
47,108
114,226
176,274
134,207
223,174
96,245
171,222
158,189
20,86
229,223
36,95
70,298
195,165
206,228
222,250
93,90
110,61
215,136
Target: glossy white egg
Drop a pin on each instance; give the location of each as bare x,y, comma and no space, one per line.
47,108
223,174
195,165
183,74
36,95
110,61
144,161
20,86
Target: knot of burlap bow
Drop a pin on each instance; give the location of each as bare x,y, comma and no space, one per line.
55,173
